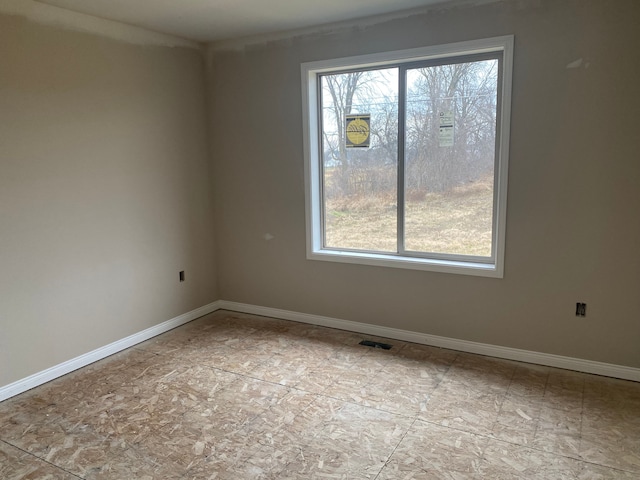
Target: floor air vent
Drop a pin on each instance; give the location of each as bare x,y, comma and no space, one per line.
369,343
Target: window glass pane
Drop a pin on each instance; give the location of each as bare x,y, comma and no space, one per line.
450,154
360,150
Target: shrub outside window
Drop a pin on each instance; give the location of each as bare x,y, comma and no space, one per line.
406,157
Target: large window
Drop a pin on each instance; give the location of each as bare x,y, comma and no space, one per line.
406,157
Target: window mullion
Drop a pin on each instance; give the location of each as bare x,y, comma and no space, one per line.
321,167
400,203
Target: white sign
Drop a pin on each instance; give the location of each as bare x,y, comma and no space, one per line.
445,134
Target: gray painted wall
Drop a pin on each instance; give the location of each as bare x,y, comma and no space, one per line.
573,227
104,192
106,187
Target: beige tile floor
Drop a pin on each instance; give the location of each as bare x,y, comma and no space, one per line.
234,396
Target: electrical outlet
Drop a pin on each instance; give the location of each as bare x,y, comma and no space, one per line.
182,276
581,309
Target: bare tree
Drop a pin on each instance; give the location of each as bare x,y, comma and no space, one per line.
468,92
361,170
342,88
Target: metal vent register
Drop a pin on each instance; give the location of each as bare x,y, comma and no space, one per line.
369,343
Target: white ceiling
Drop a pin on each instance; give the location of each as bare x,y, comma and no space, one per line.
214,20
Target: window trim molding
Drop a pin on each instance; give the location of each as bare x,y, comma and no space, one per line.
312,170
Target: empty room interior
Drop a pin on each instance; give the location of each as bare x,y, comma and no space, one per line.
336,240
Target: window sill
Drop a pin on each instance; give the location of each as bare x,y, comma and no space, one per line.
406,262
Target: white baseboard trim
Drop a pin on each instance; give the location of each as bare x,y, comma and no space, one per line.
547,359
569,363
83,360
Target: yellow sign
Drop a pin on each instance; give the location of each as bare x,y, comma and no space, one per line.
357,130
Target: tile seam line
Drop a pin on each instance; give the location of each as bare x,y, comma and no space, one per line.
415,418
581,441
546,385
489,437
289,387
39,458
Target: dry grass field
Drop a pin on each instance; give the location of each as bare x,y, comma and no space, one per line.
454,222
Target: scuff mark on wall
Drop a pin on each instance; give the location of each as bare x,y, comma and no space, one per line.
80,22
580,62
575,64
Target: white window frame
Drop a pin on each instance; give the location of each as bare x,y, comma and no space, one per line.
311,72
